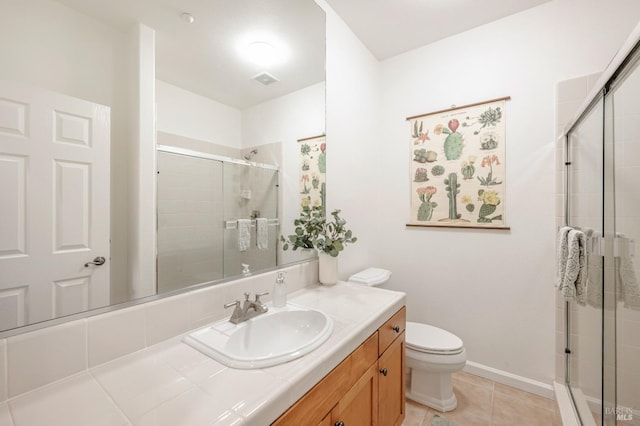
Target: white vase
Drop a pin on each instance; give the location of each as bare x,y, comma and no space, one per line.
328,268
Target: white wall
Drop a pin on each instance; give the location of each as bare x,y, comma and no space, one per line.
354,163
188,114
492,288
284,120
40,39
48,45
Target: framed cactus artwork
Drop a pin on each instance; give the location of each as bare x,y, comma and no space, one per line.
458,166
313,171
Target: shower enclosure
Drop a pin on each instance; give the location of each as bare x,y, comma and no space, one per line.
602,198
200,199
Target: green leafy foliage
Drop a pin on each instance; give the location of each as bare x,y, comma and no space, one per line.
313,230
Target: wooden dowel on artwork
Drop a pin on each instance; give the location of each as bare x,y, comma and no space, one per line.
499,228
506,98
311,137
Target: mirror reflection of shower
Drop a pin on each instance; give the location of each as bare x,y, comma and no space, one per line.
202,199
250,155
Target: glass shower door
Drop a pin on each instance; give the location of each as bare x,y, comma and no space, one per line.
583,334
190,213
250,192
622,222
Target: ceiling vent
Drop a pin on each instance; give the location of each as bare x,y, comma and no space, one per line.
265,78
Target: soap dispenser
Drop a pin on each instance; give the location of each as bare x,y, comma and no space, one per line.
279,291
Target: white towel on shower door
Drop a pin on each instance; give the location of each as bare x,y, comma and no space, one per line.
244,234
594,270
563,250
626,282
574,279
262,233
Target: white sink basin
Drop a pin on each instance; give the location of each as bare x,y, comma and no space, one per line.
272,338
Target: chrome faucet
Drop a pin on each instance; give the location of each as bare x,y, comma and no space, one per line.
248,310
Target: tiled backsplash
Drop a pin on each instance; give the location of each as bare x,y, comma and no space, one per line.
34,359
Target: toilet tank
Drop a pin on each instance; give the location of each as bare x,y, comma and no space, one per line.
371,277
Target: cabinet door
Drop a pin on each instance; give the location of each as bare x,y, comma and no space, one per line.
359,406
326,421
391,400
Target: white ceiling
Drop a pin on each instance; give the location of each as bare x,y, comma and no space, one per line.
202,57
391,27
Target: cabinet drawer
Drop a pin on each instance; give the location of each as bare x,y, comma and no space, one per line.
391,329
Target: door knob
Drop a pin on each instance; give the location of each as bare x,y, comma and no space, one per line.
383,371
99,260
340,423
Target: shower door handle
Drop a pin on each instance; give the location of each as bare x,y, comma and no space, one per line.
99,260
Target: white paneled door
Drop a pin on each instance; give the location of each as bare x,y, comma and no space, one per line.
54,205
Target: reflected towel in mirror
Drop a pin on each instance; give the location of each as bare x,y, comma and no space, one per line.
262,233
244,234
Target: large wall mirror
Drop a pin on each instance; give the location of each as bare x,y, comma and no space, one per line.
147,146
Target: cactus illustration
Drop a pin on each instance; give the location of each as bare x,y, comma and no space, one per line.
322,158
467,168
421,175
453,146
420,155
425,211
454,142
452,192
419,135
323,194
437,170
490,201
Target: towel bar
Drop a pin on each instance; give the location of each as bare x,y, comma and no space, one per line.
233,224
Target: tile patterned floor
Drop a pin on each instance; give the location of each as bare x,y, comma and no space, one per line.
483,402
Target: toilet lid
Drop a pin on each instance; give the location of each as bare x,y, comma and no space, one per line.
430,339
371,276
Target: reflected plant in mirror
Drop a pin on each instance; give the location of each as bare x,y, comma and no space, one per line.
313,230
130,133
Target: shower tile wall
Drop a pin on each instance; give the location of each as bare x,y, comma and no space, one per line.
249,191
190,218
570,95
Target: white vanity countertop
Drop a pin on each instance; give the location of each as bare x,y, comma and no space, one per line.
173,384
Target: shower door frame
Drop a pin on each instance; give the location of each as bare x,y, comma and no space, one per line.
599,99
223,160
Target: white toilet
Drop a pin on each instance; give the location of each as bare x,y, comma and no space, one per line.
431,355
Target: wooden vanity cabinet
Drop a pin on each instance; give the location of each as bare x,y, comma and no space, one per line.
391,408
367,388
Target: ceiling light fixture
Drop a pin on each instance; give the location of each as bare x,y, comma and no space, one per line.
188,18
263,50
262,53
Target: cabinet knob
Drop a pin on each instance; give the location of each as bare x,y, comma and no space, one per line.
383,371
340,423
396,329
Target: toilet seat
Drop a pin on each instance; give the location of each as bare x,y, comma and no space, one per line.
432,340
